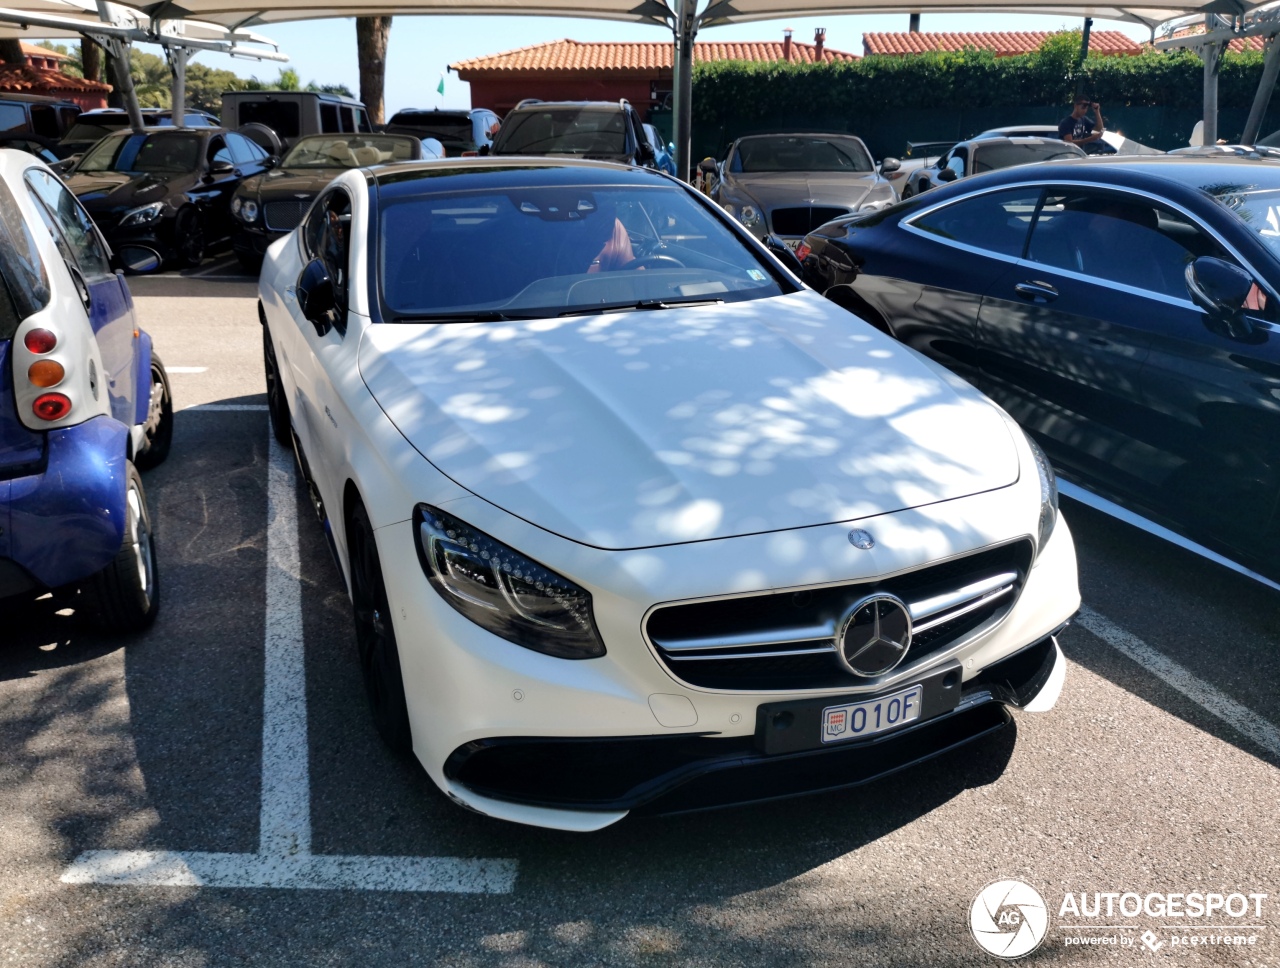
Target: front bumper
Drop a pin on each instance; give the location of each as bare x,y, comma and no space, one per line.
253,240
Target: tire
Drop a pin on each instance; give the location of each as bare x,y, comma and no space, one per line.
376,637
188,238
277,405
249,262
158,428
907,192
125,595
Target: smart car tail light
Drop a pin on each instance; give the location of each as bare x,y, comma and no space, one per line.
503,591
40,341
46,373
51,406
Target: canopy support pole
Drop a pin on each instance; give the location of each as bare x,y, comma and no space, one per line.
1212,54
1084,38
121,74
1267,84
685,29
178,65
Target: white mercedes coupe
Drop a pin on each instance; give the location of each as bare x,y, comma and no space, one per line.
631,520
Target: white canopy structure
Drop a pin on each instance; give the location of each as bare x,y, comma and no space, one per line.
686,17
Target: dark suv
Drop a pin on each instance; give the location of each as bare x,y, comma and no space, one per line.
47,117
602,130
460,132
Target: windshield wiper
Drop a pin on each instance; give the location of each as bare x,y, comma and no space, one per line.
479,317
643,304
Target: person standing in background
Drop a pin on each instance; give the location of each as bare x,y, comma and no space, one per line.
1077,128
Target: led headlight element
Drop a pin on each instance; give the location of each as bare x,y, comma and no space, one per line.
144,215
1048,494
249,211
503,591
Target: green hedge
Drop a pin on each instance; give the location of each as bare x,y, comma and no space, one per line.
728,93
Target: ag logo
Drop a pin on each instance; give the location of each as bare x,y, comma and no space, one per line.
1008,919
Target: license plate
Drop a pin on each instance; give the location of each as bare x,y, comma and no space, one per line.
792,243
859,719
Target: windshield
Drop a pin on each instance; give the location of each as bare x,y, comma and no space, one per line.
143,152
92,132
450,130
546,251
991,157
1257,208
564,131
801,154
345,151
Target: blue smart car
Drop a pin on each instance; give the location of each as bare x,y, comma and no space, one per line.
84,403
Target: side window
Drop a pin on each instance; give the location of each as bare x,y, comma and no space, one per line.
348,120
219,152
240,149
995,222
329,118
70,226
1120,238
13,117
26,287
362,121
957,160
328,235
44,120
68,117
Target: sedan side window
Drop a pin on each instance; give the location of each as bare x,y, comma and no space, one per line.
994,221
70,225
328,237
957,160
219,152
1116,237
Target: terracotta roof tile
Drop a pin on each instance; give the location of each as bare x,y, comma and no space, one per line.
574,55
37,80
1003,43
33,50
1236,46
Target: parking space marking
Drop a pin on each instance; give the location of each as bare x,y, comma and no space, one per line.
284,858
226,408
1205,695
186,369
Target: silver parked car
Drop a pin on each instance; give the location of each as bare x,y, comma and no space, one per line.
789,184
987,154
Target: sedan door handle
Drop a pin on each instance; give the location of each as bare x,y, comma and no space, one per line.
1036,291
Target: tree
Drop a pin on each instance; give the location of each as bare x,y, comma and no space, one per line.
372,34
11,52
90,60
205,86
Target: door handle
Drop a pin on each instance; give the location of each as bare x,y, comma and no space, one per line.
1036,291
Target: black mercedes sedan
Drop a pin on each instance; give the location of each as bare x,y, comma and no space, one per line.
1126,311
271,205
163,195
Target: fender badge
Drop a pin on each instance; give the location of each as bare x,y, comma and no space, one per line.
861,539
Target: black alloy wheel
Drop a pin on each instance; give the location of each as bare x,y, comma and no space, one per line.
158,428
188,238
376,637
277,405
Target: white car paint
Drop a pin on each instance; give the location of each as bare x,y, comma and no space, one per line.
444,415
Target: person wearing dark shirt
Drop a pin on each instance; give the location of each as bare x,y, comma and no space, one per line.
1078,129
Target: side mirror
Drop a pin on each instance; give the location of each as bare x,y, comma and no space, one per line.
136,258
947,175
484,150
783,253
218,168
889,164
271,162
708,166
1220,289
316,297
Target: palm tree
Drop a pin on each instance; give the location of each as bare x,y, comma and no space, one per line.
11,52
372,34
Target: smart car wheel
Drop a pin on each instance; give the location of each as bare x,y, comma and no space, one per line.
188,238
376,638
125,595
277,406
158,427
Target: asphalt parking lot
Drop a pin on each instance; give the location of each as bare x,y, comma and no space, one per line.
230,745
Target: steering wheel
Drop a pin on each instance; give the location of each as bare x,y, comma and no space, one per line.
669,261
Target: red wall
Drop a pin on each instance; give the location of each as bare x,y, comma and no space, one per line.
503,93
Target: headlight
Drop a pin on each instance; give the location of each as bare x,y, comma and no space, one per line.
748,215
249,210
1048,494
235,205
503,591
728,207
876,205
143,216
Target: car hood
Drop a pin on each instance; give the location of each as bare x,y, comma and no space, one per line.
773,189
104,191
639,429
288,182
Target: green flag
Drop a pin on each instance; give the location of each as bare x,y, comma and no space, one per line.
440,86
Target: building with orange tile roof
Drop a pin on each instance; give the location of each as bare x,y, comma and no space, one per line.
41,75
572,70
1001,43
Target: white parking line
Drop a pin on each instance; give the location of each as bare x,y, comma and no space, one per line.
284,858
1208,697
186,369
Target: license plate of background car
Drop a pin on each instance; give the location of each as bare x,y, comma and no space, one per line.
857,720
797,725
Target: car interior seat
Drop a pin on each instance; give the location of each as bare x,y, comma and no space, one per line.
340,154
367,155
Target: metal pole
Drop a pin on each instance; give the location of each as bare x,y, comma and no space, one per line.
178,65
1270,71
123,77
685,28
1084,38
1211,54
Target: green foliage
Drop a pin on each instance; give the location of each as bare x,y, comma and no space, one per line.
729,93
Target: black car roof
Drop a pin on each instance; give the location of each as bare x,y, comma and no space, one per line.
514,171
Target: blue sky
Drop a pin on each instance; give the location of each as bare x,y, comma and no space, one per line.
422,47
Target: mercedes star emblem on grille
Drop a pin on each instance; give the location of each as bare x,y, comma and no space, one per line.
861,539
874,636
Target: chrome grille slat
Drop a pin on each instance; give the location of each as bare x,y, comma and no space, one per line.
957,612
941,603
723,656
814,633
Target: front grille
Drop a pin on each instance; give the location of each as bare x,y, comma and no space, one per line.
285,214
802,221
786,640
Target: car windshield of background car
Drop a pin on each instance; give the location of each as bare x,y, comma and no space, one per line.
451,131
992,157
280,116
348,152
143,153
1258,209
548,251
564,131
90,132
802,154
